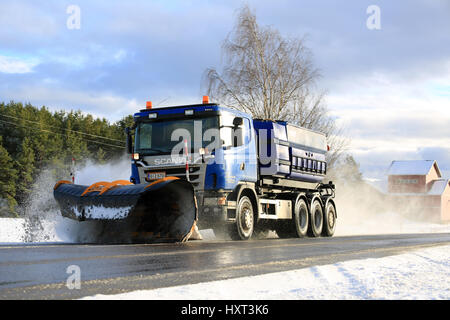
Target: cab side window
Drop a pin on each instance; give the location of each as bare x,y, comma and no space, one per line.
235,131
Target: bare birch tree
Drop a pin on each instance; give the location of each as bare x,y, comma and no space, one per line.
271,77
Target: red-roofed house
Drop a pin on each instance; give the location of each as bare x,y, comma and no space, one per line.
418,187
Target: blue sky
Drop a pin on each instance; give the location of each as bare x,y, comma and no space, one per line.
389,88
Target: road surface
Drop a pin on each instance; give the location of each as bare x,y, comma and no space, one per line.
41,271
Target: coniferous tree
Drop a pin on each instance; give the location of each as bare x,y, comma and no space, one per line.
8,178
25,168
100,156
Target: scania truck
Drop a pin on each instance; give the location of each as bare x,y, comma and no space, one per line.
249,176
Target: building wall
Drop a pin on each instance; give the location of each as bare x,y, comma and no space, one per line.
445,214
432,175
407,184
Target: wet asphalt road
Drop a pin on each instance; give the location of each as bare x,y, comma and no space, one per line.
41,271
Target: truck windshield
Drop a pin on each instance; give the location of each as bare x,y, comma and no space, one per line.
168,136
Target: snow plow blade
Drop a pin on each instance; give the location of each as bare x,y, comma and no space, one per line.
162,211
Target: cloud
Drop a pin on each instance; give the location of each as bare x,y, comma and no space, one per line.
441,154
24,25
120,55
388,118
103,104
17,65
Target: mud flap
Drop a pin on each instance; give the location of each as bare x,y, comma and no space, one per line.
162,211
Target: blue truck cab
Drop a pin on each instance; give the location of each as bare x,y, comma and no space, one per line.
249,176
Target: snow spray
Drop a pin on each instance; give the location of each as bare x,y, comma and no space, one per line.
42,219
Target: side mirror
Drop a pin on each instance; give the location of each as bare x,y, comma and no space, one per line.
129,141
238,121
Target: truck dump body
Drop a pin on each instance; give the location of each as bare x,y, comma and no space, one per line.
291,152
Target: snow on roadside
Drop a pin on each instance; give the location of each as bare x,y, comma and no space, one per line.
421,274
17,230
12,230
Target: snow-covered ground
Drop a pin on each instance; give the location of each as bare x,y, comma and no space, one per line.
12,230
55,229
422,274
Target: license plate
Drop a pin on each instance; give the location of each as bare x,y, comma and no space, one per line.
156,175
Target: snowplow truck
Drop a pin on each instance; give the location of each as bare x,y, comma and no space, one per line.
217,168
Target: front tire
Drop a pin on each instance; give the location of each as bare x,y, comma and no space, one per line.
245,220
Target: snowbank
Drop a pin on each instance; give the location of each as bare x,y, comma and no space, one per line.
422,274
12,230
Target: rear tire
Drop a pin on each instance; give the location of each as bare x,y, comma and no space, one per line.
245,220
330,216
316,219
301,218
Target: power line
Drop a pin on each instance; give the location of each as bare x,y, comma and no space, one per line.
76,131
61,134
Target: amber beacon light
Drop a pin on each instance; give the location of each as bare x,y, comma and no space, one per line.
205,99
148,105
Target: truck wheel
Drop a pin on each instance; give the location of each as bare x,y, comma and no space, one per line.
301,218
316,219
244,220
329,225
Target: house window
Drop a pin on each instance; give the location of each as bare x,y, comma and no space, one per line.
407,181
